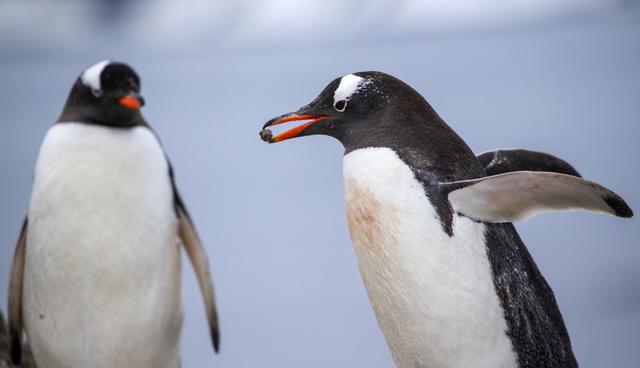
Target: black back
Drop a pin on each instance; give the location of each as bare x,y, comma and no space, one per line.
536,327
509,160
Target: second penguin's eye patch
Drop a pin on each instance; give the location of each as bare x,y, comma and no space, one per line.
340,105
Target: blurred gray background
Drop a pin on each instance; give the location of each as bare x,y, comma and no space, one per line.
551,75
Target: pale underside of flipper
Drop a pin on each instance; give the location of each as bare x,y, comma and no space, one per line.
515,196
198,257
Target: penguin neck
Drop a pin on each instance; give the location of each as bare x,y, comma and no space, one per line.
433,151
98,116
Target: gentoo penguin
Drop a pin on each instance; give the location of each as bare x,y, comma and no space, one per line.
450,281
95,280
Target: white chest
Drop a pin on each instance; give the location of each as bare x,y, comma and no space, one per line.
100,185
102,250
433,294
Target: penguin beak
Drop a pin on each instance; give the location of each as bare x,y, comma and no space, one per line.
132,101
268,137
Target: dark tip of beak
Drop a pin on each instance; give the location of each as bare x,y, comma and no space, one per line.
277,118
266,135
141,100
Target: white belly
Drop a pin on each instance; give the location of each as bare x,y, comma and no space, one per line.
433,295
102,277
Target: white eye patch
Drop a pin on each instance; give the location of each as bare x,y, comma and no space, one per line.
349,84
91,76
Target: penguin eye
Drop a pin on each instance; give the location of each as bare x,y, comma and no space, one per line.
96,92
340,105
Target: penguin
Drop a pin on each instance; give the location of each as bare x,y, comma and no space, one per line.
450,281
96,274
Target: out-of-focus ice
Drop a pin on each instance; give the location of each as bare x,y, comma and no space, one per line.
273,21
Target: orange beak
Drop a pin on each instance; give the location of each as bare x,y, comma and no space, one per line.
132,101
265,134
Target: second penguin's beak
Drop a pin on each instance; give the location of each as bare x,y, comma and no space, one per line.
132,101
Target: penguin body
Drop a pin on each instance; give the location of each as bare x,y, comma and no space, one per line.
449,279
103,252
96,276
433,294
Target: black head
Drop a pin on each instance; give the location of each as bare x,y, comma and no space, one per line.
373,109
106,93
362,110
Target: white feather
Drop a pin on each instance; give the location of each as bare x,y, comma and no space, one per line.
91,76
433,294
349,85
102,278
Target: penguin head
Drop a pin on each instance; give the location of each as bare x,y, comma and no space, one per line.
106,93
358,109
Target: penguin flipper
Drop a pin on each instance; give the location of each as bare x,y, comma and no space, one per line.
518,195
509,160
198,258
15,296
